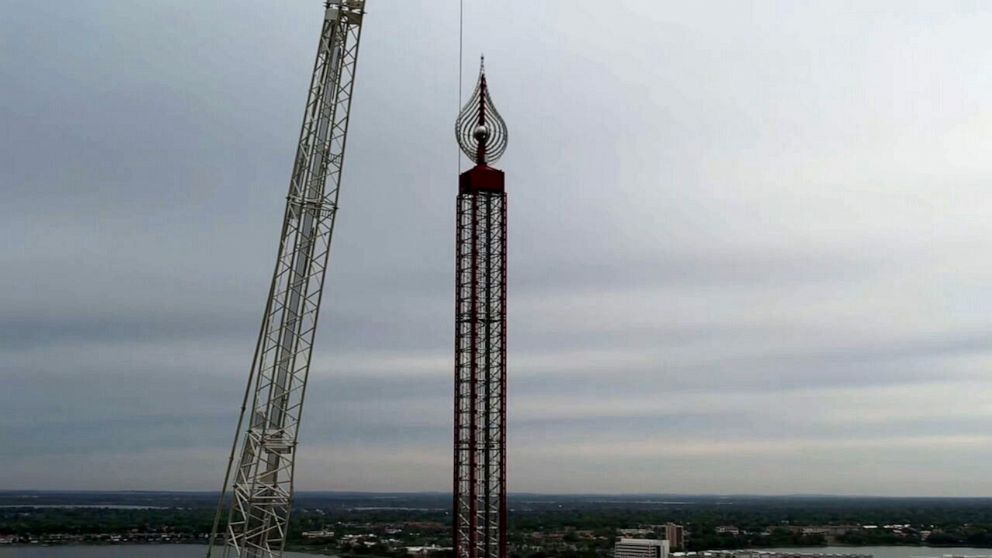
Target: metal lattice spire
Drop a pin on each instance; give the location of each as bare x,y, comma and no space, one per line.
479,129
479,497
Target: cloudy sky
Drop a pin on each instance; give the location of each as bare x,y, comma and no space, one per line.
750,243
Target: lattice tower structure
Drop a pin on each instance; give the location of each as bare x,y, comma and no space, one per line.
260,501
479,507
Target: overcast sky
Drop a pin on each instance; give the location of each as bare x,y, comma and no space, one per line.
750,243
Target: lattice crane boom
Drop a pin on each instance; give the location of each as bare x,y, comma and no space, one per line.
261,478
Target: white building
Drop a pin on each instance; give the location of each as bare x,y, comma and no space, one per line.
640,548
426,550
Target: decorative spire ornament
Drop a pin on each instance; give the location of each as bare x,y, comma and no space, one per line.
479,129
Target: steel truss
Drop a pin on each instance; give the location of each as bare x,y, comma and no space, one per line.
262,484
480,376
479,507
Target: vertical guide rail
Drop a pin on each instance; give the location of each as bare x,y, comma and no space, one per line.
465,377
501,465
262,485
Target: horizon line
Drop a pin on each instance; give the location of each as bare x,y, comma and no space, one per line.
525,493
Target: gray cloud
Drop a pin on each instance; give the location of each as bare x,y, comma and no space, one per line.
746,241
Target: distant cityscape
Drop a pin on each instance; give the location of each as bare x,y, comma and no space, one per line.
393,525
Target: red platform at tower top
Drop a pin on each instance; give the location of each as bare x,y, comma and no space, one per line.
481,178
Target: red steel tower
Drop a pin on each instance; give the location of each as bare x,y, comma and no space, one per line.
479,513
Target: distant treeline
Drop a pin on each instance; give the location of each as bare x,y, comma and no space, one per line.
588,523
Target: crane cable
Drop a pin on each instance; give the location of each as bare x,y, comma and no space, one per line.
461,40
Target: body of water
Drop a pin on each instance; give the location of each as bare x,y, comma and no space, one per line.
118,551
891,551
82,507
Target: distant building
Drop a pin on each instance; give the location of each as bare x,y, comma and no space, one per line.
426,550
322,534
640,548
675,535
635,532
728,530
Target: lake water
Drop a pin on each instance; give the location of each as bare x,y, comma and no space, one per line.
82,507
199,551
118,551
891,551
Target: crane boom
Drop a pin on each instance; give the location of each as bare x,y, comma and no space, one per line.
262,486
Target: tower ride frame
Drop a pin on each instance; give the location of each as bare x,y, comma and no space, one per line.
479,495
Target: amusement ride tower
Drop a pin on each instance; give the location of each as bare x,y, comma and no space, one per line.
479,513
